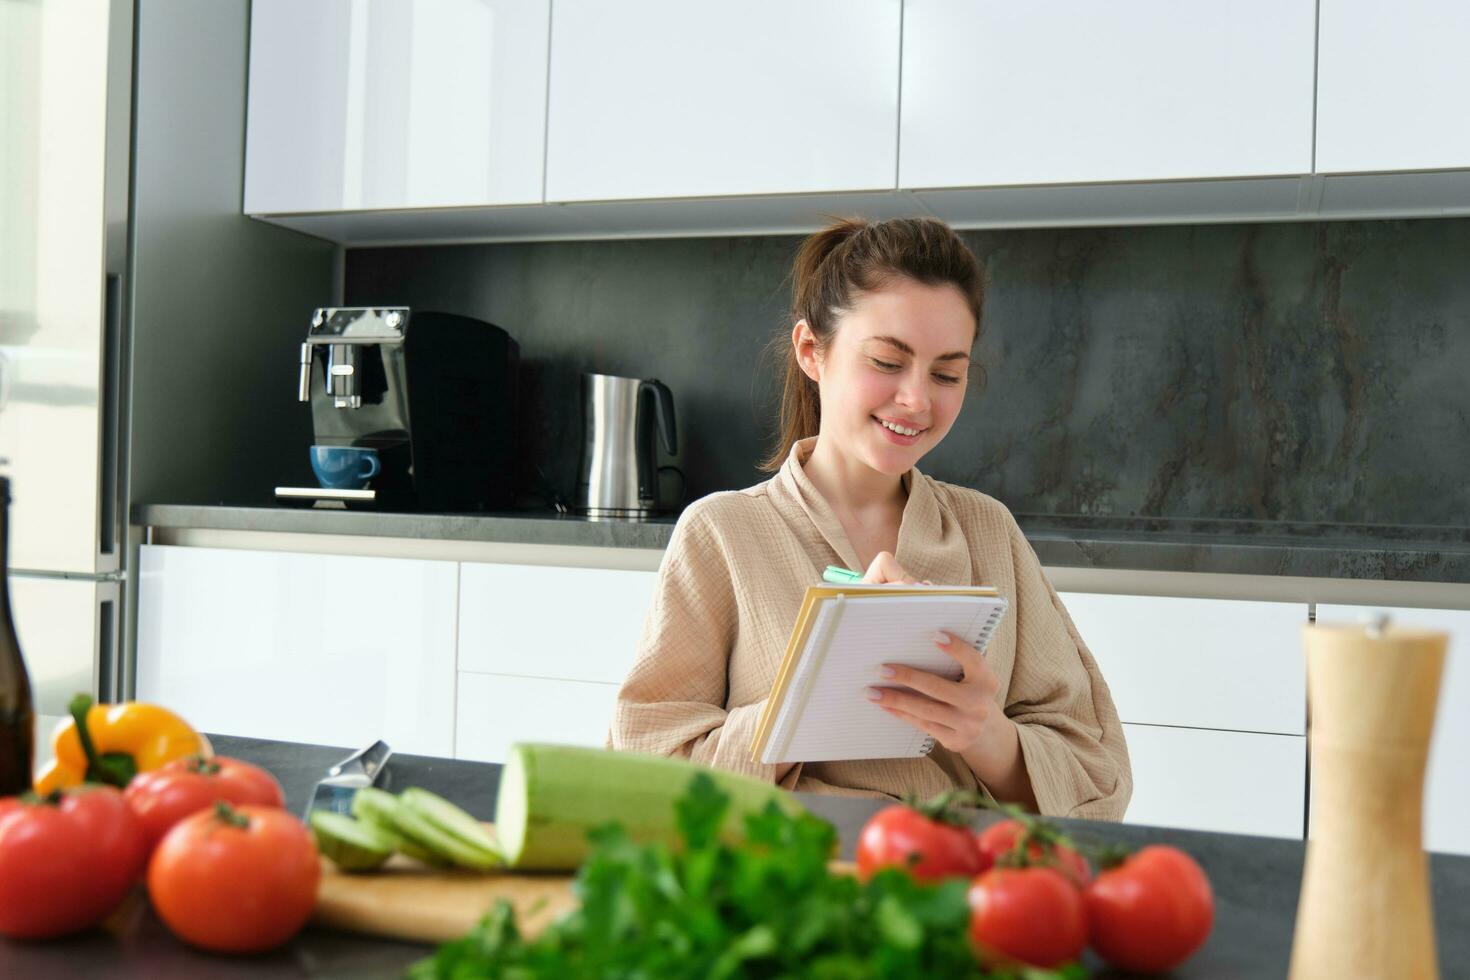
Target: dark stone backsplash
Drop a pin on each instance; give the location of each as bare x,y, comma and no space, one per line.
1312,372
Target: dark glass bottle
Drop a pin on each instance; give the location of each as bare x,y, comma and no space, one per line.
17,716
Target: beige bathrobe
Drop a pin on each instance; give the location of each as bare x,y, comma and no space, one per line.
728,592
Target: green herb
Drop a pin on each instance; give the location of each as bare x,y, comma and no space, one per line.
767,908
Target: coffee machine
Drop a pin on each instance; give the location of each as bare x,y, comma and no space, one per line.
433,393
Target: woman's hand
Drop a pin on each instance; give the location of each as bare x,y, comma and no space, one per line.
959,714
885,569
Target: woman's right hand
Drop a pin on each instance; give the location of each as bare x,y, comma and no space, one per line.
885,568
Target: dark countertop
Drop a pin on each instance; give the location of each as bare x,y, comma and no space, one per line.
521,527
1256,882
1241,547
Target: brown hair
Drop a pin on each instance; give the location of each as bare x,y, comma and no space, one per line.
854,256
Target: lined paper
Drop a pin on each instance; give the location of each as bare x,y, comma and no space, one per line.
826,714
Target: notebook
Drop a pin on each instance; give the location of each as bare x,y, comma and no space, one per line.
819,710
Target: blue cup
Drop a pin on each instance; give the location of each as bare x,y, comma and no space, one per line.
344,467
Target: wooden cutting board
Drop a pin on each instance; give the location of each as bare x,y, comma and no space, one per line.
405,900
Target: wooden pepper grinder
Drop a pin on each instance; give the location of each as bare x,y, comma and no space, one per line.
1364,909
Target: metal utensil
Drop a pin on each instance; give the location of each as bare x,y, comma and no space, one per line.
365,767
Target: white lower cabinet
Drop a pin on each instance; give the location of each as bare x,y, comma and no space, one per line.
1230,782
577,624
1447,781
328,649
542,652
495,710
1198,663
1212,696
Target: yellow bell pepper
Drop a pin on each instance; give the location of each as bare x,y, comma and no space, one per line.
116,742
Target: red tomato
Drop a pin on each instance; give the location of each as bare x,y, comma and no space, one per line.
901,837
1000,838
66,861
1150,913
1027,915
168,794
235,880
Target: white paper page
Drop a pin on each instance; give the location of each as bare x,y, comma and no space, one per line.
839,722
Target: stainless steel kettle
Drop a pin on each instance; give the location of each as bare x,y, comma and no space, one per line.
619,476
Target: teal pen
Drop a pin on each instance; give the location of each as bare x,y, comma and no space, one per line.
841,576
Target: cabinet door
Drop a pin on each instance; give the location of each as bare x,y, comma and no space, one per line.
513,619
1447,780
1198,663
1391,85
1073,91
665,98
1230,782
495,711
329,649
394,104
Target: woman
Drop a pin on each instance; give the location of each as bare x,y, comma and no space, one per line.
885,317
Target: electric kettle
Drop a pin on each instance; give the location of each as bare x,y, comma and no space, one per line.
619,476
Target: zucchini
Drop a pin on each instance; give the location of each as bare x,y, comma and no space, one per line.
419,838
450,819
376,807
551,795
351,844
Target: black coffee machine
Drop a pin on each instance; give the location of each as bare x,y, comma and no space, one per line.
433,393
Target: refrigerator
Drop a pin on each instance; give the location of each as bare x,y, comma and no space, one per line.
65,105
149,329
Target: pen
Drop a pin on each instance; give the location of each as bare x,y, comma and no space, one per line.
841,576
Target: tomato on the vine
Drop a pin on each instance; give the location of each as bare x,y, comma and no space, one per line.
1033,916
928,847
999,839
1150,913
164,796
236,880
67,859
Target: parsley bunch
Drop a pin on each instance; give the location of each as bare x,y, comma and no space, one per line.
766,908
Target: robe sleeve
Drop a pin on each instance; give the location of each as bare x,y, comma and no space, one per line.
673,699
1070,735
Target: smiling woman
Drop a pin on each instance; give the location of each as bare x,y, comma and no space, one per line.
883,319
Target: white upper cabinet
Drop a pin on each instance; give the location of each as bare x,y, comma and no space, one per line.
1007,93
375,104
667,98
1393,80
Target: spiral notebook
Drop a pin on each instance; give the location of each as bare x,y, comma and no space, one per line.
819,710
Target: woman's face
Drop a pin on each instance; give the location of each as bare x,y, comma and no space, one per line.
893,378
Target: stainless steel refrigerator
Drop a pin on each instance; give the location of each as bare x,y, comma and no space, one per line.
65,91
149,330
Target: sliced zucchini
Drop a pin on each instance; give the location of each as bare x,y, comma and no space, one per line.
351,845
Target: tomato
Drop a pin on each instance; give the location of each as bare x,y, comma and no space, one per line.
901,837
235,880
166,795
1034,916
1000,838
66,860
1150,913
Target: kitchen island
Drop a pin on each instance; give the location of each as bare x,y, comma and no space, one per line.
1256,882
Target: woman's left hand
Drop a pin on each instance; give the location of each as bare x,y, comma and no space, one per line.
957,713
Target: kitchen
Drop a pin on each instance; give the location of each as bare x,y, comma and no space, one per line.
1219,342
